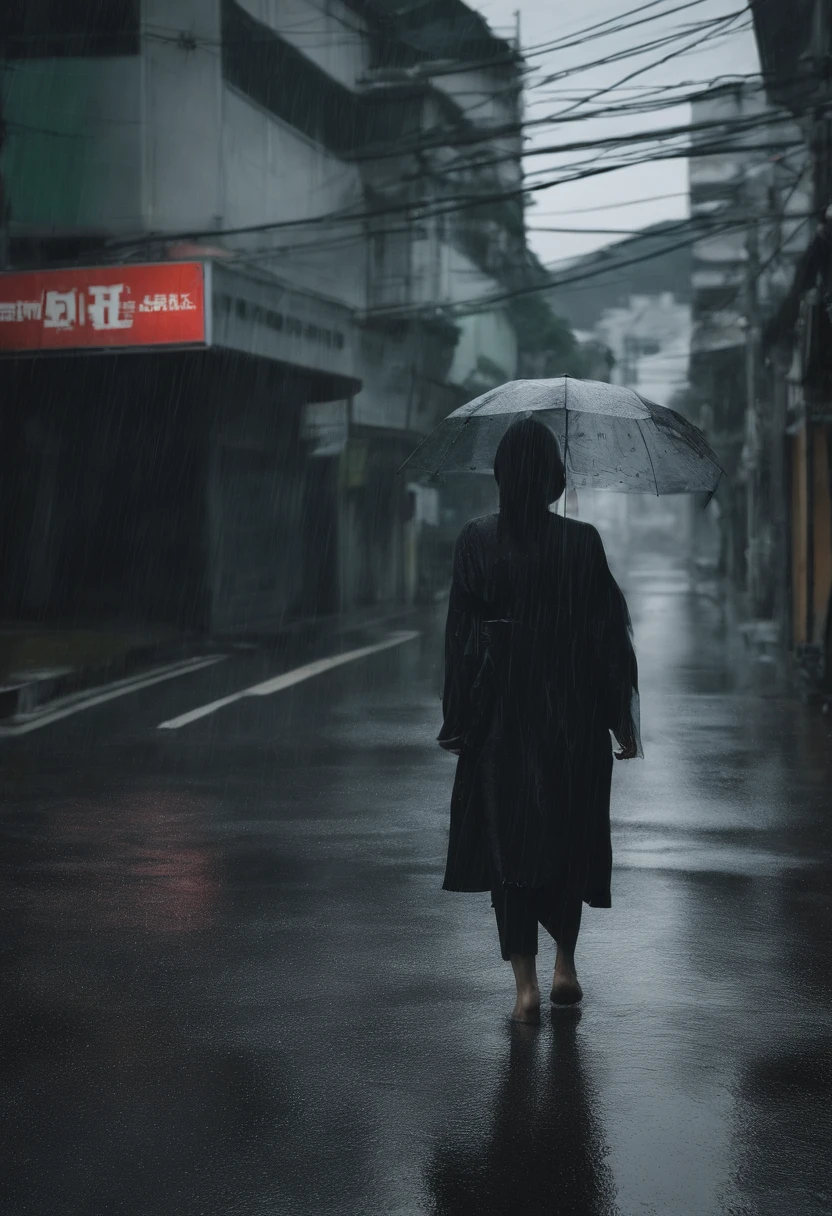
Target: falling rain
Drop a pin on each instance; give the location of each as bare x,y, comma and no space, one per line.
415,607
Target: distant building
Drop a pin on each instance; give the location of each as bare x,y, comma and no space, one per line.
630,305
649,338
749,204
650,264
795,46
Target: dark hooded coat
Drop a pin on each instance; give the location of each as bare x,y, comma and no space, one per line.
539,667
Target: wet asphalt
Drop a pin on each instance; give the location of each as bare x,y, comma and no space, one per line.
233,986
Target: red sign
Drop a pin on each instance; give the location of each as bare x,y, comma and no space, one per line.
164,304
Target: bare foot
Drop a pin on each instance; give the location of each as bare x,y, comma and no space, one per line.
566,990
565,987
527,1006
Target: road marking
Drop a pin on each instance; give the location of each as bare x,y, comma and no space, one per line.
288,678
119,688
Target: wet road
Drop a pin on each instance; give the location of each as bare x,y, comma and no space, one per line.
232,984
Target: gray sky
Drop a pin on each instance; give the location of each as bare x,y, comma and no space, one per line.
544,21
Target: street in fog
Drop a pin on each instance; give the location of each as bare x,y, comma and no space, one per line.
233,984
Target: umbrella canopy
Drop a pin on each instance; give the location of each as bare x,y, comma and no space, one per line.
611,437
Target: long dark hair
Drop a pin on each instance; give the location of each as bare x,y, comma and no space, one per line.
530,472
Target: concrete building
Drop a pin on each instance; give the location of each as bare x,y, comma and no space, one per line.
748,199
795,48
307,159
438,254
633,320
650,341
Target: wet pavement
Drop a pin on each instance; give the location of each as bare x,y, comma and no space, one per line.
232,984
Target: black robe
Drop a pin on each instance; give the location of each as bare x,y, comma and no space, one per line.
539,667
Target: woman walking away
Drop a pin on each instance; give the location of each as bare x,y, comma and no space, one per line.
539,668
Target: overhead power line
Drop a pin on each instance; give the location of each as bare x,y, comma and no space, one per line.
487,301
596,30
703,221
712,27
418,211
717,28
729,126
632,202
592,272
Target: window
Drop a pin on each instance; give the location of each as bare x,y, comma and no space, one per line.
52,29
717,299
276,75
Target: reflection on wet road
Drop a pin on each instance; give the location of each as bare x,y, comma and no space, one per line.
232,984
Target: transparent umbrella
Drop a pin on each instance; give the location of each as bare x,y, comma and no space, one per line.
611,437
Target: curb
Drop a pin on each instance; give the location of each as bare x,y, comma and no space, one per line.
318,628
25,696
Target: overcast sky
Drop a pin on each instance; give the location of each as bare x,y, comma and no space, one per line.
545,21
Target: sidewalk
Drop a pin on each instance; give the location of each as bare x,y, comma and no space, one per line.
40,665
762,640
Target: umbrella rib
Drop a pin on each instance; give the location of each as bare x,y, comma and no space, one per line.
565,432
714,490
415,452
650,458
446,452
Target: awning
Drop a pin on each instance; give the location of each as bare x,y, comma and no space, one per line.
272,320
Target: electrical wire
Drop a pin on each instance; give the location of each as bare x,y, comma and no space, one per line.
418,212
610,144
452,136
578,37
415,211
487,301
703,225
629,231
713,26
730,127
579,145
633,202
489,134
467,307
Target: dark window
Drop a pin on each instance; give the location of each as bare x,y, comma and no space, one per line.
52,29
32,251
278,77
275,74
717,299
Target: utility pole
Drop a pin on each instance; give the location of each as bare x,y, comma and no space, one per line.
753,443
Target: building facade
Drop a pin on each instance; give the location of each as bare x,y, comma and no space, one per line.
748,200
796,53
307,158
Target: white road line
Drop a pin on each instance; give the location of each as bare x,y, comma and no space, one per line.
119,688
288,678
